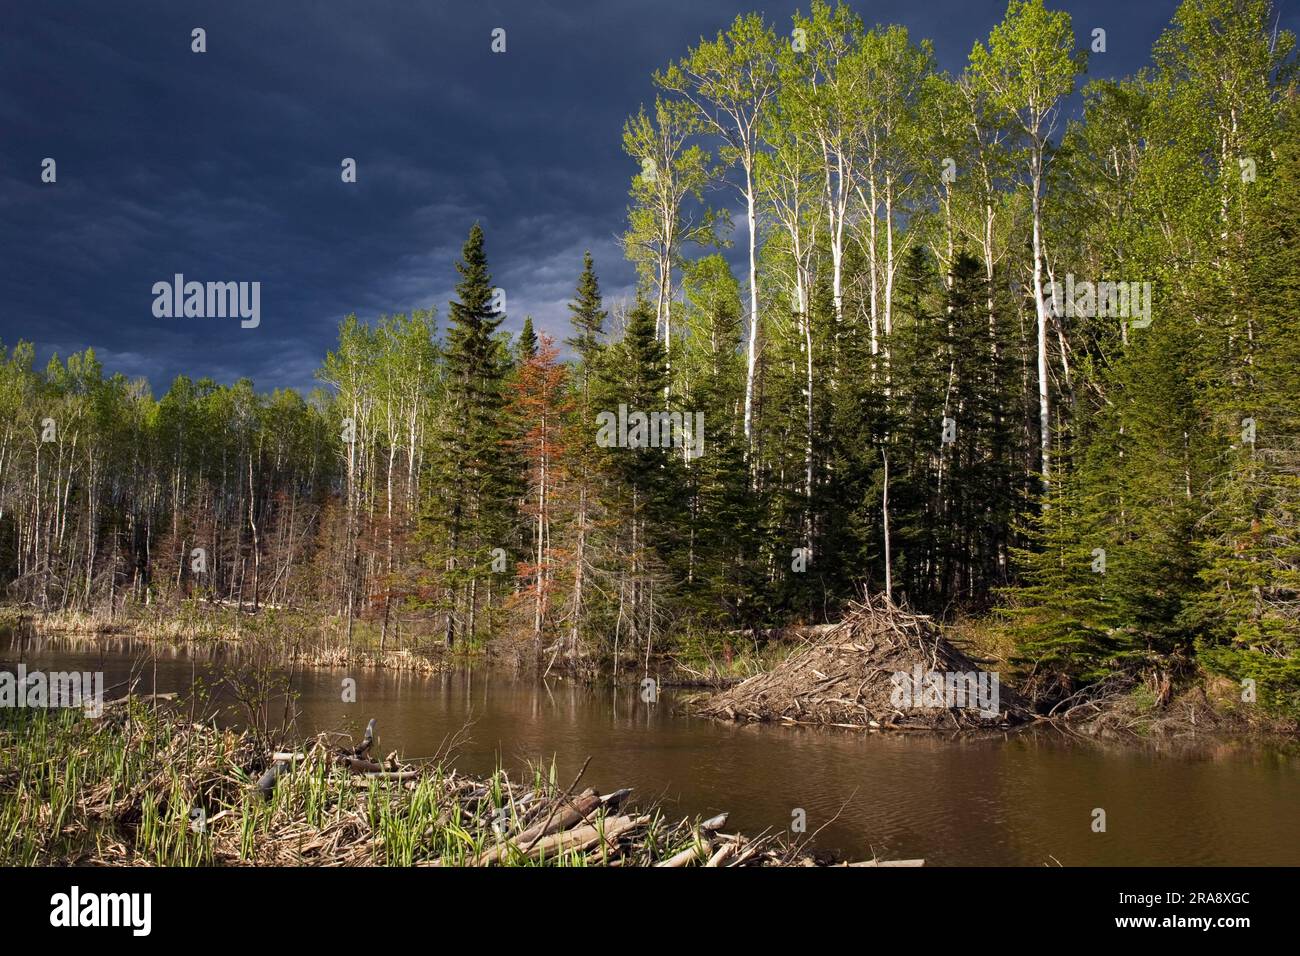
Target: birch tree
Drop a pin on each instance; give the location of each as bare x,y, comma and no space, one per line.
669,174
731,82
1028,67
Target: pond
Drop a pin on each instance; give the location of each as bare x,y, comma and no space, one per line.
1024,798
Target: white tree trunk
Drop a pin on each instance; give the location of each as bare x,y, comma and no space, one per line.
1040,308
751,360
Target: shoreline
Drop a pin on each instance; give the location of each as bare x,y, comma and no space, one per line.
145,785
1194,718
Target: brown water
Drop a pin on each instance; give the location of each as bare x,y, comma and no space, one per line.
1022,799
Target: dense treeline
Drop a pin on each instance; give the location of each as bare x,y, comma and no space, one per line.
981,358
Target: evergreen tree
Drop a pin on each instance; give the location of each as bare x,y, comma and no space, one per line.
644,489
583,458
478,483
587,315
1247,615
526,346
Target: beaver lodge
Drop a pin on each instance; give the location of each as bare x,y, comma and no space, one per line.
881,667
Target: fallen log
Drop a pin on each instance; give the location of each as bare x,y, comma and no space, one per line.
888,863
700,851
582,807
606,831
723,854
358,765
266,782
613,801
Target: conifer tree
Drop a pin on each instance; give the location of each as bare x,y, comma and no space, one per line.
587,316
526,346
644,485
477,480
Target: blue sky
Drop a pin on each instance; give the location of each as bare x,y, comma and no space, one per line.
225,166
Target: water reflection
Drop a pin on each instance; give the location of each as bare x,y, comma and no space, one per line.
1023,799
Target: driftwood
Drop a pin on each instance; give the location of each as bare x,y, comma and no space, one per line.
724,852
584,807
266,782
359,765
617,798
367,741
690,855
607,830
354,759
888,863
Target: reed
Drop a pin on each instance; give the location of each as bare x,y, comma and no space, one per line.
146,785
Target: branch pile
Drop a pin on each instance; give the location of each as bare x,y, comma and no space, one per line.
880,667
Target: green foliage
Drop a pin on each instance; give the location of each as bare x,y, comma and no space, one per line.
886,403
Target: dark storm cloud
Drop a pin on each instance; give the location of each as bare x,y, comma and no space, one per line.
224,166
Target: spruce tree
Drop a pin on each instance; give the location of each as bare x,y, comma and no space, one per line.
645,485
480,484
586,613
526,345
587,315
1247,614
720,543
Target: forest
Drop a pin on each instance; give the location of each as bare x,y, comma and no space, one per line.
1011,347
